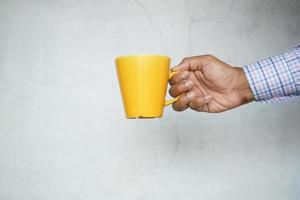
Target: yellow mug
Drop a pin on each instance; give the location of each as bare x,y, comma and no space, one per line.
143,82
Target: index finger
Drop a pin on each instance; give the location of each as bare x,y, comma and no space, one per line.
180,76
193,63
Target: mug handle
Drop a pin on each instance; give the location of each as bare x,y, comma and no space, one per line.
168,102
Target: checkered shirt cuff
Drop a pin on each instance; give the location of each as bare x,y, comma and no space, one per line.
275,78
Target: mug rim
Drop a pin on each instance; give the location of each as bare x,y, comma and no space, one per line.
140,55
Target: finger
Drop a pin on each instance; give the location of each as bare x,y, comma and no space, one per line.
199,102
180,76
193,63
183,65
182,103
179,88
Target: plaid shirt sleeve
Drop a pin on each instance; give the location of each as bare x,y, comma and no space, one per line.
275,78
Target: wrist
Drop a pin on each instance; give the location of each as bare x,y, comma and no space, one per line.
243,87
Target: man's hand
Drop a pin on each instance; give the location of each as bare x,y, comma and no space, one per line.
207,84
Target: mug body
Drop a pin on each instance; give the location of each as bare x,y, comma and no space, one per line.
143,82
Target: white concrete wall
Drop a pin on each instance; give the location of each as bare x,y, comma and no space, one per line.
63,134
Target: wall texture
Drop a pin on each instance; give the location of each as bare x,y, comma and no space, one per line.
63,134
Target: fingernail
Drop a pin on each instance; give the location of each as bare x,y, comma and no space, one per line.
189,84
190,95
185,74
207,98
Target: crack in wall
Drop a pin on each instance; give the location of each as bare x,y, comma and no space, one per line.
155,168
192,20
177,138
155,158
202,19
177,143
154,27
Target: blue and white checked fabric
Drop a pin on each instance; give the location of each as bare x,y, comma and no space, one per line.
275,78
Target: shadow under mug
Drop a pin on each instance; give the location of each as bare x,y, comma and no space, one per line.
143,81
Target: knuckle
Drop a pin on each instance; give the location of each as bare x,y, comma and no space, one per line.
181,101
172,81
191,105
184,60
199,101
180,88
176,90
176,78
208,56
